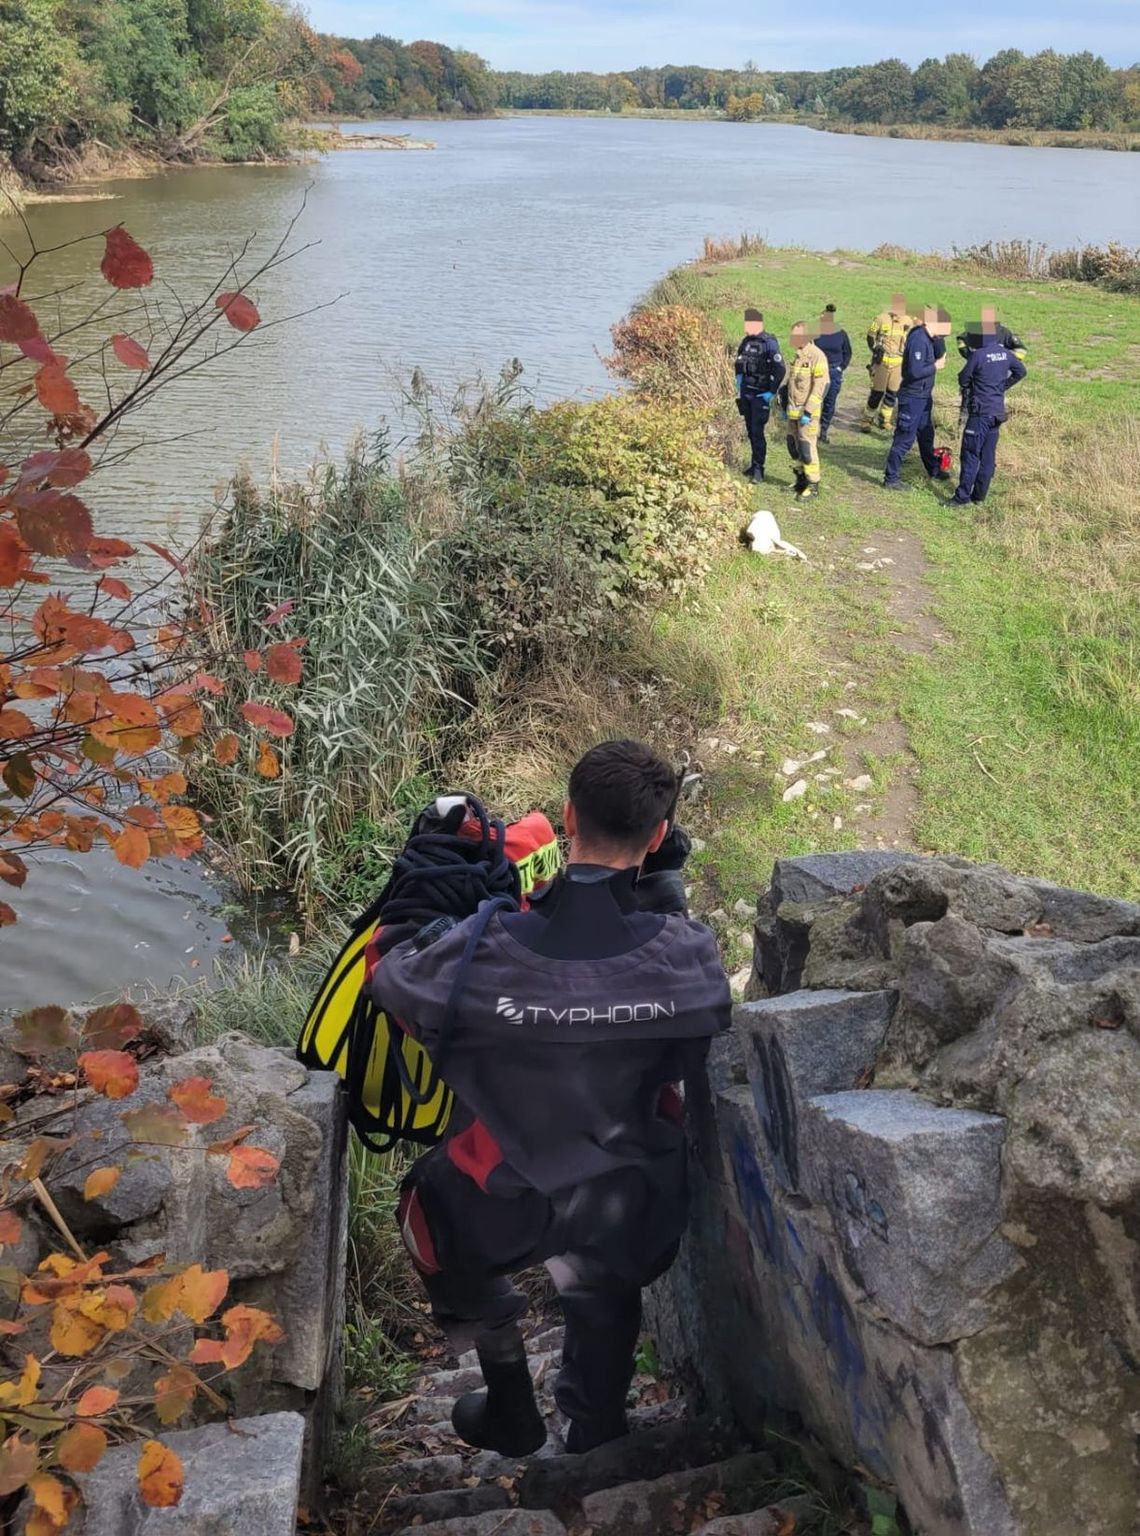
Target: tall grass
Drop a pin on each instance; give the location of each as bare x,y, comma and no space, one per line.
716,251
1113,266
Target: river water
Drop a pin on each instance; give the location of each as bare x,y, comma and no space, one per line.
518,238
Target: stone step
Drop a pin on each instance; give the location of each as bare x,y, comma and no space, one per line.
669,1502
425,1474
446,1504
560,1480
515,1522
543,1341
773,1521
435,1393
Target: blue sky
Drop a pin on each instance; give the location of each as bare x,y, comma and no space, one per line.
619,34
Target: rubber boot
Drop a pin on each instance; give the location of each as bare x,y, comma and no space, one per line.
587,1436
808,491
504,1418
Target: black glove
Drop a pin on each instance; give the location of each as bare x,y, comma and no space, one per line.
672,853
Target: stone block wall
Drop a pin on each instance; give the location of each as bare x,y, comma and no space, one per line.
916,1232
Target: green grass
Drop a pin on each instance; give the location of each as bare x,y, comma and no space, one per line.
1040,679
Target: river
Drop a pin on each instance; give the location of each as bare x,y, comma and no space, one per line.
522,237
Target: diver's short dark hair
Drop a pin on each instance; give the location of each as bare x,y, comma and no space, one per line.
621,792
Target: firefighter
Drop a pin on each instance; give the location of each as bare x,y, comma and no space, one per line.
836,347
924,358
566,1027
802,398
886,338
759,374
991,371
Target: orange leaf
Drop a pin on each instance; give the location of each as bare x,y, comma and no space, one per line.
239,311
52,523
173,1394
19,1393
268,764
275,615
14,725
275,721
109,1028
129,353
252,660
156,1123
245,1327
104,552
17,321
7,915
226,748
72,1333
80,1448
160,1475
10,1228
113,1308
132,847
201,1291
13,870
56,391
192,1095
125,264
53,1499
101,1181
252,1167
114,1074
18,1461
67,466
160,1301
96,1400
283,663
111,586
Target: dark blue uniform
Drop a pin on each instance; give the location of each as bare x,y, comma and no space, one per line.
836,347
916,405
759,373
989,373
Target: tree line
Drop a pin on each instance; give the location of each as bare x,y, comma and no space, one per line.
1010,90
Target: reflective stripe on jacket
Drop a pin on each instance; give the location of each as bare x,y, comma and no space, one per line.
808,379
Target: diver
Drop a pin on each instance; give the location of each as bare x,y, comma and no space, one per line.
569,1026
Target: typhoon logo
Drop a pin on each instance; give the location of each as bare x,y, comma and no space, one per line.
508,1009
611,1013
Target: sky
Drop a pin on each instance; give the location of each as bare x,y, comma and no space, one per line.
620,34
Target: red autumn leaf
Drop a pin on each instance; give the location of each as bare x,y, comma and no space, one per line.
113,1026
252,1167
239,311
96,1401
111,586
245,1326
14,725
37,350
15,557
161,549
282,663
193,1097
54,524
226,748
125,264
104,552
114,1074
208,683
268,763
7,915
80,1448
55,390
10,1228
17,320
275,721
252,660
275,615
67,467
13,870
132,847
160,1475
129,353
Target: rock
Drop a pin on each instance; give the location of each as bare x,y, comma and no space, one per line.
147,1174
949,980
795,791
816,876
561,1480
914,1191
243,1476
818,727
423,1474
761,1522
663,1501
446,1504
803,1044
847,714
738,982
791,766
515,1522
860,783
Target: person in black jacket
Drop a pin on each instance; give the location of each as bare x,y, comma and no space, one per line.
924,357
574,1022
836,347
991,371
759,374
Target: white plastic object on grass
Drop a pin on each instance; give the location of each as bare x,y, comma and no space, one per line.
762,536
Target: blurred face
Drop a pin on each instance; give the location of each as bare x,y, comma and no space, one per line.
826,323
989,320
898,304
753,327
800,337
936,321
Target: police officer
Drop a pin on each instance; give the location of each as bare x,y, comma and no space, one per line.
988,329
759,374
991,370
886,338
802,398
566,1027
925,355
836,347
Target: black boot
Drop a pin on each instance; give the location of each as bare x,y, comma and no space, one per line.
505,1418
585,1435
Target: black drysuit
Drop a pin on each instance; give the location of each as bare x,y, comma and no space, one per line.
575,1020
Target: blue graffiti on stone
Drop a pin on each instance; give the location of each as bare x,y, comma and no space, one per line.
836,1326
864,1209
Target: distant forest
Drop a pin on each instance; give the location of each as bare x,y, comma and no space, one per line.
227,79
